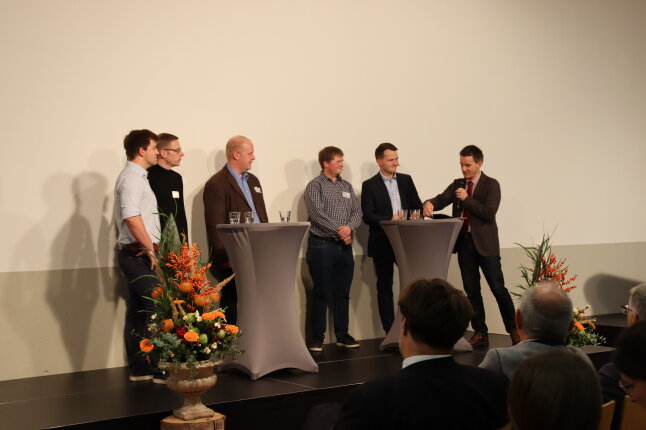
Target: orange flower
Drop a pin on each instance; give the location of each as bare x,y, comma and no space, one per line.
191,336
178,301
186,286
218,314
208,316
231,329
146,345
579,326
157,292
215,296
167,325
200,300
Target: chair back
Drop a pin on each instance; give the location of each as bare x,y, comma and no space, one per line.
633,416
607,411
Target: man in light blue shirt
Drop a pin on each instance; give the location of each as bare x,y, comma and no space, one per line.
138,224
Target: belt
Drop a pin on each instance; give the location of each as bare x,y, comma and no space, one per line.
325,239
136,246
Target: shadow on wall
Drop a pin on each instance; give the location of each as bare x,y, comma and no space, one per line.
606,293
193,199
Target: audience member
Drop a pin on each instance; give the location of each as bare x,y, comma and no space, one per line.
630,359
432,390
608,374
554,390
543,319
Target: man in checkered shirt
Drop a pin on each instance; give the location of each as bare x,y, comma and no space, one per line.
334,213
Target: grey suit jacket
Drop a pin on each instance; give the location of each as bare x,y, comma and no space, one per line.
482,207
505,360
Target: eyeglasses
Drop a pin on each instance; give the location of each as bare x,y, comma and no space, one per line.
625,309
626,386
177,150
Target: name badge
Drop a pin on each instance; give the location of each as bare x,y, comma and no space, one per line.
346,194
258,190
175,194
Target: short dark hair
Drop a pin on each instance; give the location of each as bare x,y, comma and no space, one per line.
137,139
630,355
436,313
472,151
554,389
379,152
165,139
328,153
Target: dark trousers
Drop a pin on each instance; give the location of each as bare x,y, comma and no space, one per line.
471,262
228,294
331,267
384,269
137,319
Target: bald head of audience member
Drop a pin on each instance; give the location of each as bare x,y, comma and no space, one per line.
544,312
240,154
435,316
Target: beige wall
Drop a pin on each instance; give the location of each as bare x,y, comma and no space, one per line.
554,92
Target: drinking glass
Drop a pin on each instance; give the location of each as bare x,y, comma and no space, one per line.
234,217
285,215
248,217
403,214
415,214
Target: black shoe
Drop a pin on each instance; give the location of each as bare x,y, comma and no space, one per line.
347,341
479,340
316,344
160,378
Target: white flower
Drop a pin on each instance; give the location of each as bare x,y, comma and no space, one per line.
185,318
198,319
197,313
214,346
153,316
207,350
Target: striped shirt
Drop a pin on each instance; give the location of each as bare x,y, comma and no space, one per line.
331,205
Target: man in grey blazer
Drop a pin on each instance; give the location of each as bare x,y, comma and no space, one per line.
232,189
544,319
476,197
381,197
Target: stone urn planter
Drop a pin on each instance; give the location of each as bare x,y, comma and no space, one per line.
191,384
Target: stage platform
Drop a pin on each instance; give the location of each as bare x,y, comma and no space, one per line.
104,399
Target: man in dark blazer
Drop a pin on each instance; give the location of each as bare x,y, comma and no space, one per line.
382,196
432,391
232,189
476,197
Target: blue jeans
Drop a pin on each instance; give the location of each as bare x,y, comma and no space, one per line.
471,262
331,267
137,321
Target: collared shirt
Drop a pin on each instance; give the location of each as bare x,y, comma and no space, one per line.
417,358
393,192
133,196
244,186
330,205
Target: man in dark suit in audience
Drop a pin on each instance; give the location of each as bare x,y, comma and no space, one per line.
609,377
432,390
476,197
232,189
544,319
382,196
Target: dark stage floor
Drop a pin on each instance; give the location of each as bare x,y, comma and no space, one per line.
104,399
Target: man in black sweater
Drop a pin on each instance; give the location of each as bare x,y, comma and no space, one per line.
167,184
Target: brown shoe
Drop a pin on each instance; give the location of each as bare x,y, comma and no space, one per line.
515,338
479,339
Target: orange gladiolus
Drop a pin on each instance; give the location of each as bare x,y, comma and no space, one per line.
208,316
157,292
146,345
191,336
167,325
231,329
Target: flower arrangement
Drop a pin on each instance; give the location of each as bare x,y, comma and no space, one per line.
546,266
185,325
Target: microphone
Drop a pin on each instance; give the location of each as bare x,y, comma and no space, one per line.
462,183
